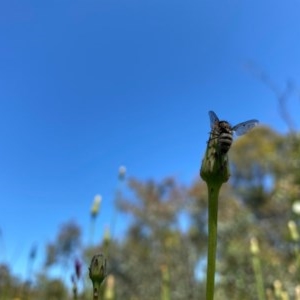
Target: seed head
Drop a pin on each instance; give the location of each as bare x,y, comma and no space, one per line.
96,206
122,172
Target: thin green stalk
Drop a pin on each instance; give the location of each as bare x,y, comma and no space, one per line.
118,196
257,269
258,277
295,236
75,295
96,291
165,287
94,213
213,195
97,272
92,230
214,171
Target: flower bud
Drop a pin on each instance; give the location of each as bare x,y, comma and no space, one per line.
97,269
122,172
96,206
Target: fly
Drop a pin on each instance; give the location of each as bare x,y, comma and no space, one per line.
223,131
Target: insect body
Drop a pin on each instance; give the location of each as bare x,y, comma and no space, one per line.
223,131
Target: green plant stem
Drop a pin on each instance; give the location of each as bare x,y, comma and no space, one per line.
96,290
213,195
97,273
92,229
258,277
75,292
165,289
254,248
214,171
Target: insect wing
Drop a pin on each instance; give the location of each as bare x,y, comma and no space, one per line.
213,119
244,127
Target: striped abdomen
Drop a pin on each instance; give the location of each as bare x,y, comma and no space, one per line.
225,141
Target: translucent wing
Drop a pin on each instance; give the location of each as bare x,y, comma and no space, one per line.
213,118
244,127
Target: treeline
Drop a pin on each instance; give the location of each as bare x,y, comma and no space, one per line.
163,254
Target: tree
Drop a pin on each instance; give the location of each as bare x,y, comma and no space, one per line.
50,289
155,257
257,203
66,244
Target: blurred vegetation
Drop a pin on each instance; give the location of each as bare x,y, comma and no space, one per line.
162,256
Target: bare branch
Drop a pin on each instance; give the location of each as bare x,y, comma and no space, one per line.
282,96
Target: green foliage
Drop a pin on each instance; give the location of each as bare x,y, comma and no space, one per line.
9,285
265,210
65,244
154,243
52,289
157,259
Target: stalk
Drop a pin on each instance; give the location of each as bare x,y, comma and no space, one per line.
254,248
97,272
214,171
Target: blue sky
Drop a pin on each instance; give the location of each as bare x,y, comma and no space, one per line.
86,86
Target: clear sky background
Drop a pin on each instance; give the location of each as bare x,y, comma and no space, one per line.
86,86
